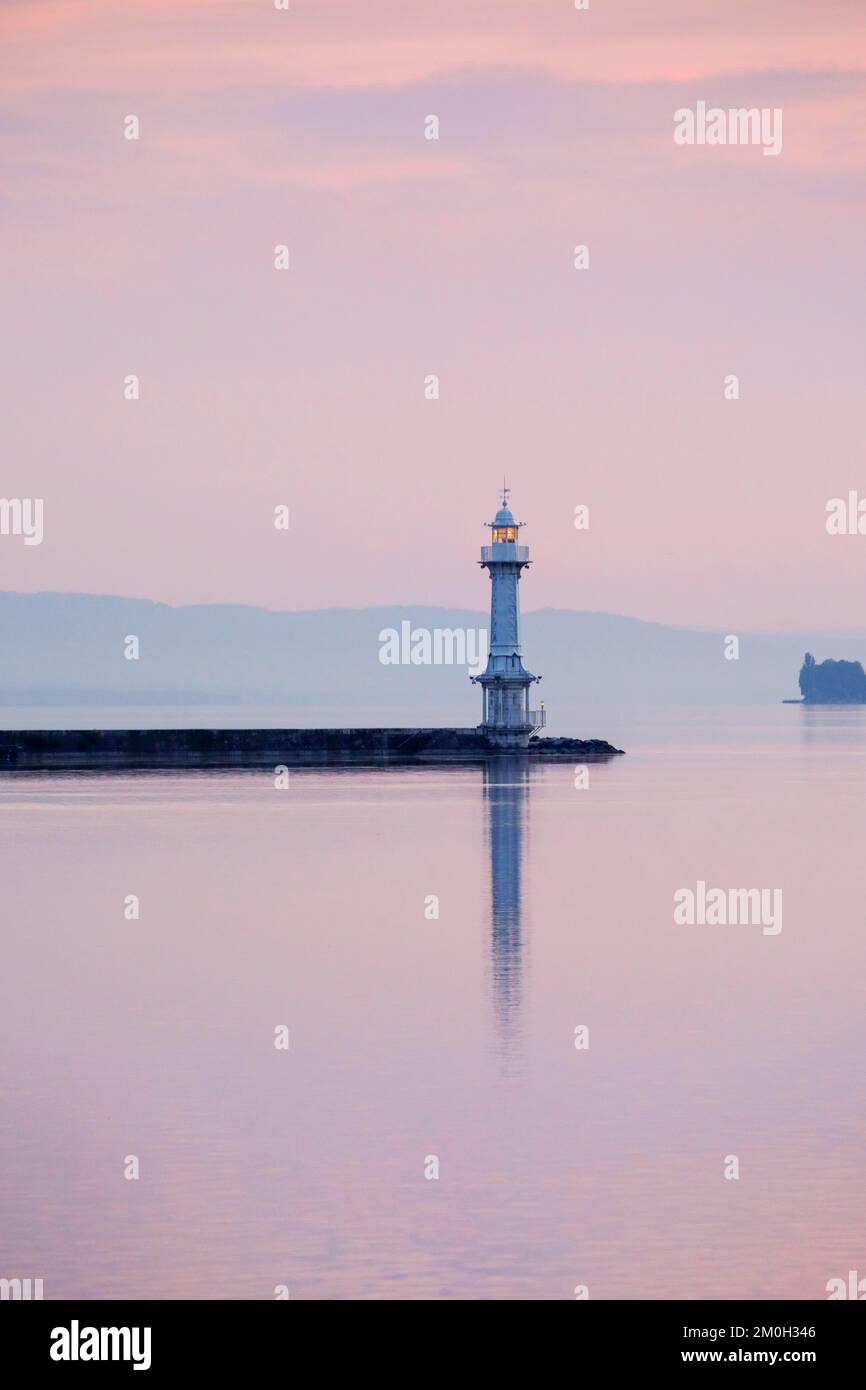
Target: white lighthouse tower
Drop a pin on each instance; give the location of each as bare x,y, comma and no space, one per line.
507,722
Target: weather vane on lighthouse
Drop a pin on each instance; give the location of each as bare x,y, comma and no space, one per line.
507,721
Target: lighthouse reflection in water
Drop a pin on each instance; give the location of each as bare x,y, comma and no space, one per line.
506,792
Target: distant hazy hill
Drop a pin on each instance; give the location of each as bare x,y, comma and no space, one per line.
68,649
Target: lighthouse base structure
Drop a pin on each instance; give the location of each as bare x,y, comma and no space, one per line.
506,740
508,722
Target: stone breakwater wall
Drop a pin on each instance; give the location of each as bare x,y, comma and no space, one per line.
76,749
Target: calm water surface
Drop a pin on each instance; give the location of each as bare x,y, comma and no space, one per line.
452,1037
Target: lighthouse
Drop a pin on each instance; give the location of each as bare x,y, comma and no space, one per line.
507,720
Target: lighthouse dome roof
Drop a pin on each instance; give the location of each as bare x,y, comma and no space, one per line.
503,517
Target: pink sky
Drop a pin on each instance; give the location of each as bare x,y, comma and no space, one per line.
453,257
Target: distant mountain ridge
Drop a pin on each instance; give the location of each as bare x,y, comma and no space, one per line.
69,649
